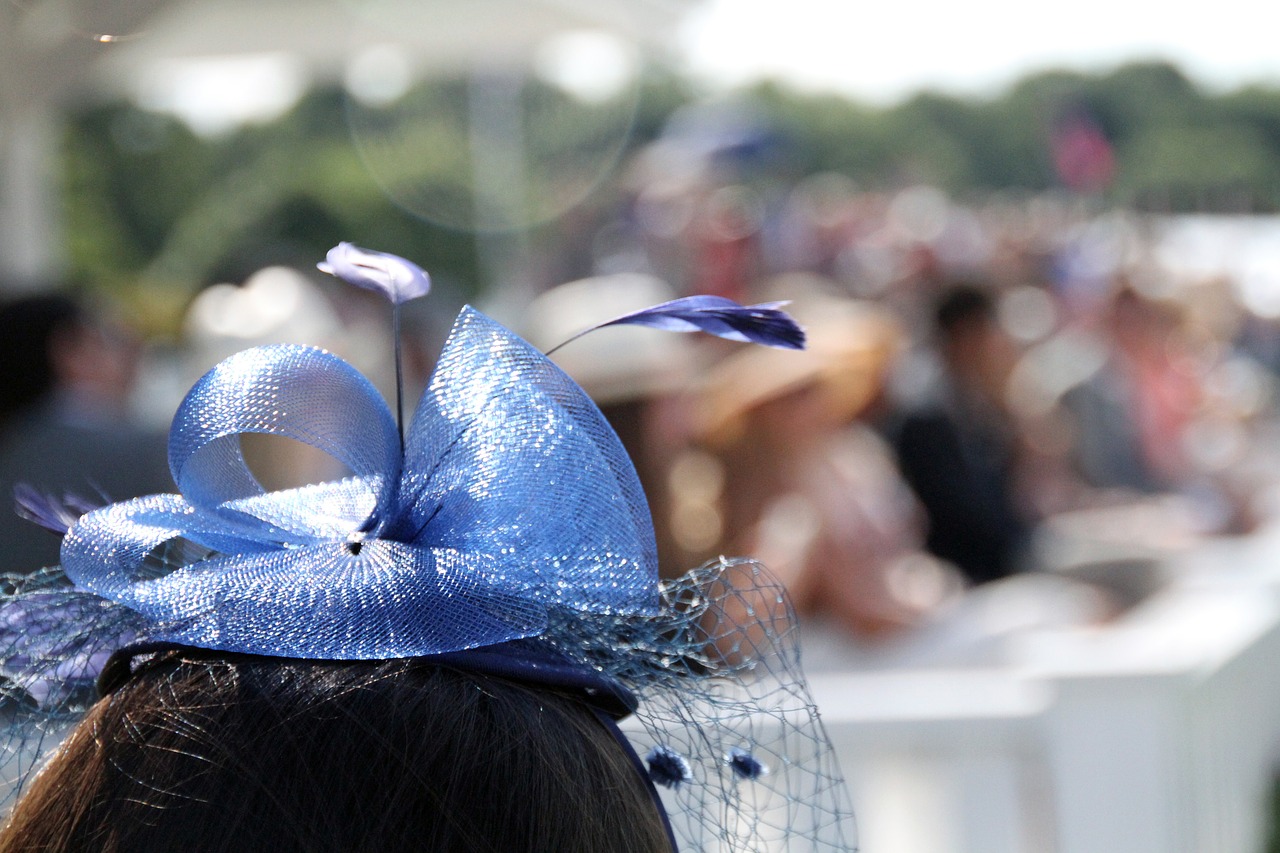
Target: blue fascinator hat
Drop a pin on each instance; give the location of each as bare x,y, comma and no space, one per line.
504,531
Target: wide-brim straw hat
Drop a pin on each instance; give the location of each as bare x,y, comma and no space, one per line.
851,346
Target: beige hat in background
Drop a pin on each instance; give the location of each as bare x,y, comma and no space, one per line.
851,345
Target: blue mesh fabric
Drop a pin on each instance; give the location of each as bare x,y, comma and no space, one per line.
718,677
514,495
54,640
301,393
508,456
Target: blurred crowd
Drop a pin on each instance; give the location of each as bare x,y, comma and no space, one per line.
994,388
984,381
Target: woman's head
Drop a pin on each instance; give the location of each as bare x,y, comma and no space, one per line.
206,752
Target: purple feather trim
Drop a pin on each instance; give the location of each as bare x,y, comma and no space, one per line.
764,323
46,510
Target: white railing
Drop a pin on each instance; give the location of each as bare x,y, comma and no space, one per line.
1156,733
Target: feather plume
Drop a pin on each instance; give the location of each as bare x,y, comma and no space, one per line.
391,275
51,513
765,323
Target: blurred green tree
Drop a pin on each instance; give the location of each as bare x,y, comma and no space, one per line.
153,208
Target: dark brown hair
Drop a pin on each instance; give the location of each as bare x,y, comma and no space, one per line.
205,752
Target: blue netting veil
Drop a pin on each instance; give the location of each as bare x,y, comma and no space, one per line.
509,526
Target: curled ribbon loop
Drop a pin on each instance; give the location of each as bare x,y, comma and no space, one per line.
514,497
300,393
507,456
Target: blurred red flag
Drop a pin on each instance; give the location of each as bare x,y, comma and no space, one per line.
1082,155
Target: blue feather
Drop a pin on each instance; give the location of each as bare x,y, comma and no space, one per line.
764,324
48,511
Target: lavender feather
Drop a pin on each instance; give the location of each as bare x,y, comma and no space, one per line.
764,323
391,275
51,513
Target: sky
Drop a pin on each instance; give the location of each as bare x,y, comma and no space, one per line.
882,52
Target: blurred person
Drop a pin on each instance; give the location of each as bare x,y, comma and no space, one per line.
1130,417
958,447
809,485
65,423
1166,420
819,222
726,243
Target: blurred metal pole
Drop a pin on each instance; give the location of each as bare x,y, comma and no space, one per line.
499,187
47,48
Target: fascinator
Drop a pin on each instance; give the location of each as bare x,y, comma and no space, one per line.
505,532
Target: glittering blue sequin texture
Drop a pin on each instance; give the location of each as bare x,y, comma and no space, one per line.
512,498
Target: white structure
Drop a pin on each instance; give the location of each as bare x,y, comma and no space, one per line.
1156,733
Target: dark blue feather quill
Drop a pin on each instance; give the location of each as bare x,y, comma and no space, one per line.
764,324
